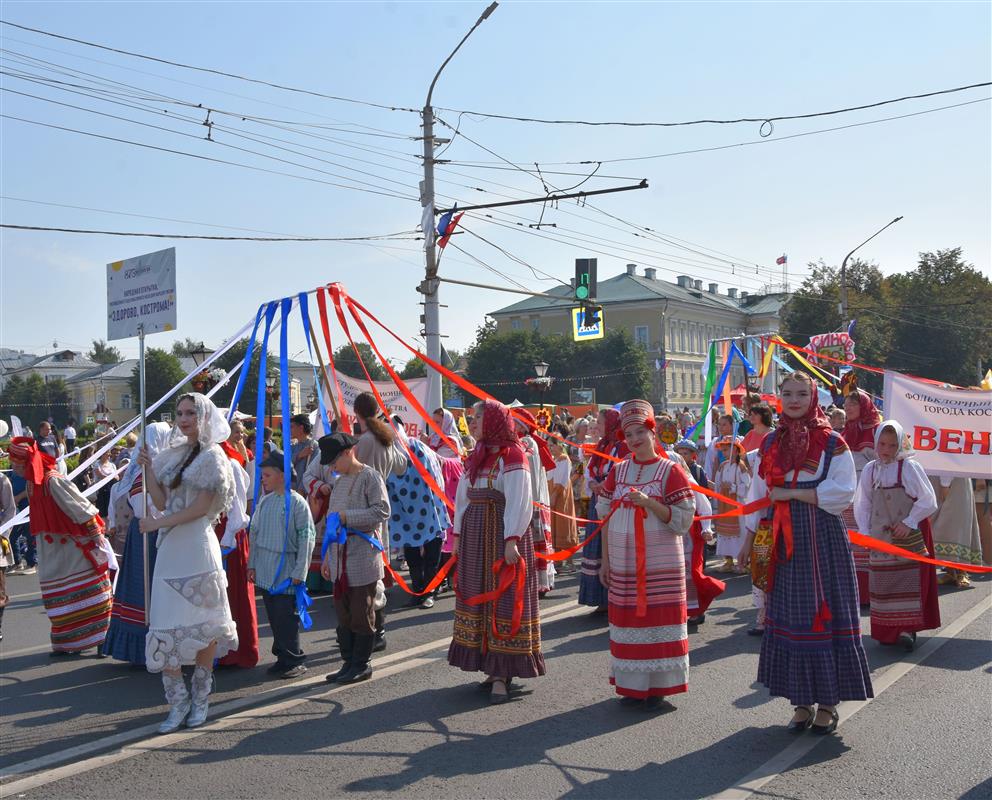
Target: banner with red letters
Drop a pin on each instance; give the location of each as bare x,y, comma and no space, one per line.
950,429
837,346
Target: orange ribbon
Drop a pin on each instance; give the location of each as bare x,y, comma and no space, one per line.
506,576
435,581
640,560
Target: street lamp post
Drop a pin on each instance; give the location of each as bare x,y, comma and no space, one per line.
429,288
270,388
199,353
843,270
543,381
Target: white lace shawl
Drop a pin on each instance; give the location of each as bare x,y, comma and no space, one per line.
209,471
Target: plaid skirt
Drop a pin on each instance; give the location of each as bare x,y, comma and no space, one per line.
811,651
591,590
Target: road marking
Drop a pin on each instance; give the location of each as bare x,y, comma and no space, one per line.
145,739
775,766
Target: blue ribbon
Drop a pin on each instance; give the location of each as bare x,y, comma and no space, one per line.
270,313
735,350
336,533
286,307
305,313
245,365
303,600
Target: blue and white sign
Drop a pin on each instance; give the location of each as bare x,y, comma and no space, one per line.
581,331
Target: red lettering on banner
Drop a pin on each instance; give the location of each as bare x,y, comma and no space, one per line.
948,439
977,443
924,438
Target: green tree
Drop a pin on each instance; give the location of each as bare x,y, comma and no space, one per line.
185,348
103,353
162,372
345,362
941,328
229,361
33,399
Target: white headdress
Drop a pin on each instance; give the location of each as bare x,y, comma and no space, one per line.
212,426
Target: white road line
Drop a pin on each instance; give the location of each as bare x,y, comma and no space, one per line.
751,783
139,741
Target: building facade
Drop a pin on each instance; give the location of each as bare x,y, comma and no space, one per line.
673,321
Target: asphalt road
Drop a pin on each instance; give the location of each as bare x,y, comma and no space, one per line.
85,727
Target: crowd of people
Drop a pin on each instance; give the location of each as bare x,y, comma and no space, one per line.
342,514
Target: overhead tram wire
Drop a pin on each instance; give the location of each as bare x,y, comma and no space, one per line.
211,71
388,237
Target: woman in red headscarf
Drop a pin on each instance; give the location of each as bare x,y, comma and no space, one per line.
493,515
863,420
611,443
811,651
74,556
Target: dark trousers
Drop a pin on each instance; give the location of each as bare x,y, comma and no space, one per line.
285,624
423,565
23,545
355,607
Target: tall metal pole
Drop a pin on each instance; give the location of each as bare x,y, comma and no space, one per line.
429,288
843,270
144,478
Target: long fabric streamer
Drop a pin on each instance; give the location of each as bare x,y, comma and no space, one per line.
270,312
305,314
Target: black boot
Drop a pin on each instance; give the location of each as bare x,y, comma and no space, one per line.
380,631
361,662
346,644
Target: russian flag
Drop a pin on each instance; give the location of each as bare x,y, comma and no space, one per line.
446,226
782,259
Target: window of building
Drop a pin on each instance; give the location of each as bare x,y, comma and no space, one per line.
515,325
684,392
641,335
692,382
673,339
682,338
535,323
125,401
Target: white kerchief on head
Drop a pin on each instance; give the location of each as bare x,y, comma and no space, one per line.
213,426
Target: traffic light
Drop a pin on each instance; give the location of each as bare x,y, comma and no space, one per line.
585,279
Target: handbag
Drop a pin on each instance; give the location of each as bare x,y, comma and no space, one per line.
761,554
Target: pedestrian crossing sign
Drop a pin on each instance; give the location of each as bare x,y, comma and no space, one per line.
582,332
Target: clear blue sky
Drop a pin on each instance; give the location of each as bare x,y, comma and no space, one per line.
810,197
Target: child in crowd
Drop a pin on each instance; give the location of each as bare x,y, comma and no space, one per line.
690,453
732,480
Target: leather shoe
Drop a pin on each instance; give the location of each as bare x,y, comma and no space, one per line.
800,726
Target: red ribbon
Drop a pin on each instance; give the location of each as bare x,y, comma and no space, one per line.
640,560
435,581
568,552
506,576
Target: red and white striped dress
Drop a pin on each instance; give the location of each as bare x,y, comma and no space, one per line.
649,645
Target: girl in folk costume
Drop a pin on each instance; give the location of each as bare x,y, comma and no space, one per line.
611,443
956,533
859,434
643,565
563,530
493,522
128,625
190,621
74,557
732,480
450,452
232,530
580,468
811,651
539,462
893,503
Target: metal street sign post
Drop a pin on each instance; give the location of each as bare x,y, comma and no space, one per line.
141,299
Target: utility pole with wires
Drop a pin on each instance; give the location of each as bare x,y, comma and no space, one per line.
429,287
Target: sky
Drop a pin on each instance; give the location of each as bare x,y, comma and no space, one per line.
725,214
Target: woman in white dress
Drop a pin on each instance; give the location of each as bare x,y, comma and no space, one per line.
190,621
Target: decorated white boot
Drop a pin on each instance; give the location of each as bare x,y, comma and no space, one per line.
201,685
177,696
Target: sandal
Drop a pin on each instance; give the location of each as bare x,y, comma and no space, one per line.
800,726
823,730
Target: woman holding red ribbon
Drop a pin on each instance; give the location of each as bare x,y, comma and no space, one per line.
497,622
611,443
859,434
811,651
643,565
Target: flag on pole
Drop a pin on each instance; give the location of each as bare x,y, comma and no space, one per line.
446,226
782,259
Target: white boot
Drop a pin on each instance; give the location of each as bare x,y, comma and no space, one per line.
201,686
177,696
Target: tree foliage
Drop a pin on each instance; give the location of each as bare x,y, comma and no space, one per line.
345,362
229,361
162,372
33,399
185,348
103,353
500,363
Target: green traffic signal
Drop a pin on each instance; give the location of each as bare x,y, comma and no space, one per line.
581,292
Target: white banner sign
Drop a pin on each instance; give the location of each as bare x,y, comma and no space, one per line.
950,429
391,396
141,291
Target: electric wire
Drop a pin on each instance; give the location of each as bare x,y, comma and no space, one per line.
204,236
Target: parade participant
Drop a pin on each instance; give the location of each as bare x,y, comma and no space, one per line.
493,522
838,419
643,565
128,625
359,498
304,448
450,446
580,468
450,454
811,651
277,563
893,503
732,480
956,535
689,451
190,621
418,517
317,484
74,557
375,449
591,590
8,508
760,416
564,532
232,531
859,435
714,457
539,461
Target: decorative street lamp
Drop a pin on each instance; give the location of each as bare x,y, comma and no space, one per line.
312,399
199,353
543,381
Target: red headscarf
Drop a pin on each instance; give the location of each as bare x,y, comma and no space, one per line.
497,431
860,433
799,440
523,416
611,435
37,463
